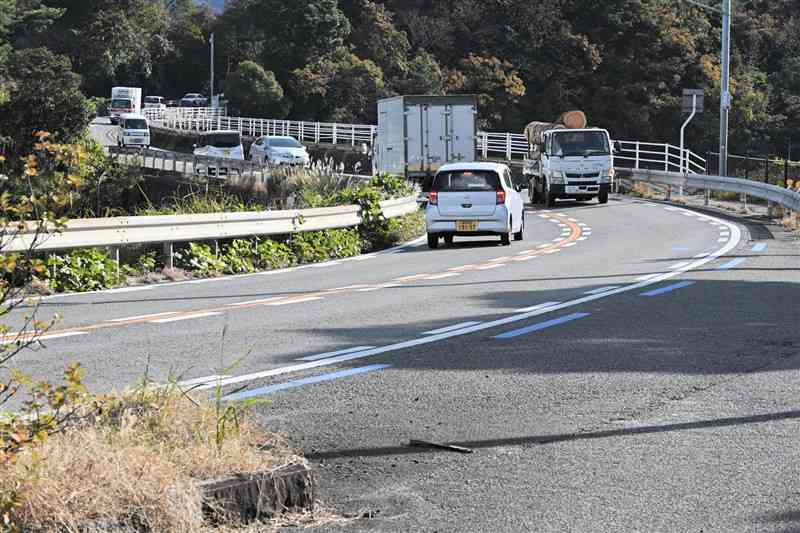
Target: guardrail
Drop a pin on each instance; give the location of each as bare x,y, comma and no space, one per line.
509,147
190,164
116,232
197,165
772,193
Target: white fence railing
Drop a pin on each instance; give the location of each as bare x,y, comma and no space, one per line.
655,156
510,147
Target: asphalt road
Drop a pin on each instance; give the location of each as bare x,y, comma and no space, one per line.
629,367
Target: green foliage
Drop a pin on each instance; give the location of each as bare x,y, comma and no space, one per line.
143,264
392,186
254,92
211,202
282,35
274,255
201,259
81,271
239,257
340,86
397,231
45,95
316,246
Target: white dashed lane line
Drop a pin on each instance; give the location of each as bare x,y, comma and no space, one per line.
184,317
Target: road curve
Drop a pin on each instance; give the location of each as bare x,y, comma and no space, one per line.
624,368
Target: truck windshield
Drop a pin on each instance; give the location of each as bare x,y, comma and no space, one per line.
221,140
121,102
135,124
466,180
580,143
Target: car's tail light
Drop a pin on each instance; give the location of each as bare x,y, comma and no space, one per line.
433,198
501,197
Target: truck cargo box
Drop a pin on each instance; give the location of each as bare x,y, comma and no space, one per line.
418,134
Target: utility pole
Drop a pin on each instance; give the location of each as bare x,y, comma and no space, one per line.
725,96
211,98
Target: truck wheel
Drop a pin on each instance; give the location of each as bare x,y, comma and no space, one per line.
603,198
533,194
433,241
448,239
549,201
518,236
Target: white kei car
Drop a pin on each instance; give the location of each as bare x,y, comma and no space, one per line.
474,199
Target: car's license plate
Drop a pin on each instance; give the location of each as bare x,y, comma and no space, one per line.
466,225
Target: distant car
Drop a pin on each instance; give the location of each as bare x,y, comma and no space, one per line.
219,144
474,199
193,100
279,150
133,130
154,102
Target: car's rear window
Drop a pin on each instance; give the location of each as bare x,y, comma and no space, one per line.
467,180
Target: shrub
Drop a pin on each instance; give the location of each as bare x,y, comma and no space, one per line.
81,271
239,257
273,255
200,258
315,246
392,186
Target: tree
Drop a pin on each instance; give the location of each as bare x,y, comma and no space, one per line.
496,83
254,92
340,87
280,35
44,94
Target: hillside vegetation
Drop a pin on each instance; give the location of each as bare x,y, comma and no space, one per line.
623,61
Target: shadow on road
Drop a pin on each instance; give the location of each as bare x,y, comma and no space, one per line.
570,437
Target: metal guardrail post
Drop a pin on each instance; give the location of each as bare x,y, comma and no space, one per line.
637,156
508,146
169,255
666,158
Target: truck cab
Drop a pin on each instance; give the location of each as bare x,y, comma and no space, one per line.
575,164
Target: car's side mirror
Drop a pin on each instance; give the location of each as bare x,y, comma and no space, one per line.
194,146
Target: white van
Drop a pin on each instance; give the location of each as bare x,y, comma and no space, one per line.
133,131
154,102
219,143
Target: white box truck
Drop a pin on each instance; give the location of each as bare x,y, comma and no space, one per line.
418,134
125,101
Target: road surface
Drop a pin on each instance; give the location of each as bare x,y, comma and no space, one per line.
629,367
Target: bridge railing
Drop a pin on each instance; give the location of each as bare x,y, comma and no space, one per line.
510,147
658,156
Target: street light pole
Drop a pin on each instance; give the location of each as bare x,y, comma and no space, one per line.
211,98
725,95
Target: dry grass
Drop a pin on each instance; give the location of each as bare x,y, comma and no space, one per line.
137,463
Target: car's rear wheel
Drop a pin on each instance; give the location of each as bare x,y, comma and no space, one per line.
505,238
448,239
518,236
433,241
603,197
533,194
